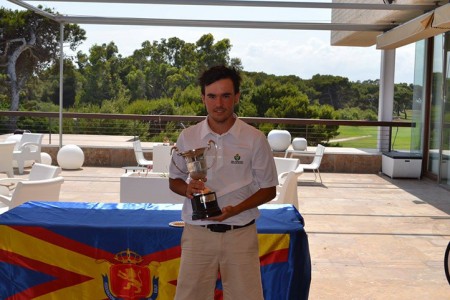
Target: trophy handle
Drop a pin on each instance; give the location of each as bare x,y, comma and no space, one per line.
215,152
174,148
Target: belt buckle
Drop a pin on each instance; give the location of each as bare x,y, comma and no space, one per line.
218,227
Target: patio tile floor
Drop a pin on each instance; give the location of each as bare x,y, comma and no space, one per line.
370,237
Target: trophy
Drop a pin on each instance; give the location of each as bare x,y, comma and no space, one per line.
204,204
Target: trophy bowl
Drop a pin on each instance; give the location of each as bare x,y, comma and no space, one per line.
204,204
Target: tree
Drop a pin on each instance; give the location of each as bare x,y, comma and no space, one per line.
366,95
334,90
30,43
47,84
165,66
101,72
136,83
173,64
268,95
211,54
403,94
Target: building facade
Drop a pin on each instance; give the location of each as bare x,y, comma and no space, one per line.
430,31
431,106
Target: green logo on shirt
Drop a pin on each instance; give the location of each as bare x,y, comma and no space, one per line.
237,160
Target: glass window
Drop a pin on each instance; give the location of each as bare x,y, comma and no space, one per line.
419,96
445,154
436,107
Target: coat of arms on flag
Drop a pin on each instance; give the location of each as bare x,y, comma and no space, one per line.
130,279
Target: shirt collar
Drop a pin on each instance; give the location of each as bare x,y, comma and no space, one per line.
234,130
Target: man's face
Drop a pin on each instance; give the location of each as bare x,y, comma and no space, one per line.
220,99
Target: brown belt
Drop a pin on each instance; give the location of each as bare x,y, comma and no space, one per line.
225,227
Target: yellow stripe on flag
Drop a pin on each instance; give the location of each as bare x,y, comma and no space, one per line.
272,242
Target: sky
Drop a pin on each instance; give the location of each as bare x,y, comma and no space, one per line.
303,53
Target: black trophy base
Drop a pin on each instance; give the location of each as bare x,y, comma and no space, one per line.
205,206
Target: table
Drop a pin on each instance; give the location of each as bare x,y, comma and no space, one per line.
134,169
147,187
58,250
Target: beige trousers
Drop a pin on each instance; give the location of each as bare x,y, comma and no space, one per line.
234,253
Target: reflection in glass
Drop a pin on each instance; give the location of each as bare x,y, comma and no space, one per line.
436,107
418,96
445,164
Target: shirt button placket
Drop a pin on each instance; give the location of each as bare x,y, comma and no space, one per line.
219,152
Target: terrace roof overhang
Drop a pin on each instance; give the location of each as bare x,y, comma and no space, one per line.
335,26
364,27
367,38
425,26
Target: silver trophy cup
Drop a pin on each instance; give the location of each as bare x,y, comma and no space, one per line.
204,204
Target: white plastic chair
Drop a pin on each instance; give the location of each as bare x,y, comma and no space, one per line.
139,154
38,190
29,148
6,158
315,164
284,166
287,191
38,172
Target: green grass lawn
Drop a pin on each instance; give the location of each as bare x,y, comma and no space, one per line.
366,137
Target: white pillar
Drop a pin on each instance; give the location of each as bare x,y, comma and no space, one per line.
61,80
386,96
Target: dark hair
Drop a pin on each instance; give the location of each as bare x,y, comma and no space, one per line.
217,73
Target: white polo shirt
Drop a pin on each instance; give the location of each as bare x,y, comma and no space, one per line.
244,164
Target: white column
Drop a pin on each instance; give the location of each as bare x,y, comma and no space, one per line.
61,80
386,96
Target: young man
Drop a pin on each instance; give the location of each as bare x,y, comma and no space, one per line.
243,177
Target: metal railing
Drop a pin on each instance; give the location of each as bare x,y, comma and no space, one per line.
167,127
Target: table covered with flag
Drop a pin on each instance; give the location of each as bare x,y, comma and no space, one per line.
62,250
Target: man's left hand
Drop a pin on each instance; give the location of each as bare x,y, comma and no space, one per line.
227,212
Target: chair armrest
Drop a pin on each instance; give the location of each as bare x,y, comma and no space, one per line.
8,185
299,170
5,199
10,181
5,191
28,145
281,177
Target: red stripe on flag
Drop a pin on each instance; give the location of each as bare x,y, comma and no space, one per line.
65,242
95,253
278,256
164,255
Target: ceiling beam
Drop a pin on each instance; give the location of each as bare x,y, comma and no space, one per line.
224,23
277,4
202,23
442,17
417,29
34,8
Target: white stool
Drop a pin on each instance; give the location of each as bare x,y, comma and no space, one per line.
299,144
46,159
279,140
70,157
